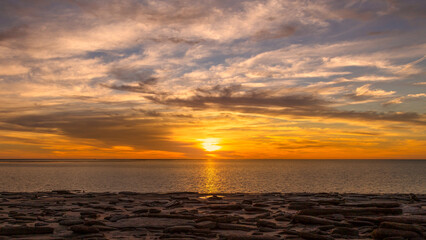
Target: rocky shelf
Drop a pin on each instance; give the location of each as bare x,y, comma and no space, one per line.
66,214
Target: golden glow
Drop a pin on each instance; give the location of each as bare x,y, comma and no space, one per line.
210,144
211,180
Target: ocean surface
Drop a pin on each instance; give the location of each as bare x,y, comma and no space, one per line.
215,176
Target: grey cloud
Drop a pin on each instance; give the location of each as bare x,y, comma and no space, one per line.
177,40
232,98
111,130
144,78
13,33
280,32
132,74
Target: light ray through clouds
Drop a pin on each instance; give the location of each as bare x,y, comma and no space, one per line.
263,79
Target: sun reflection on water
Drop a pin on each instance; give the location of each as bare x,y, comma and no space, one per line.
211,180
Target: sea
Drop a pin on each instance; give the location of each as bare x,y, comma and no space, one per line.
215,176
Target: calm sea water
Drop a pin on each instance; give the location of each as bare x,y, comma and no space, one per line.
207,176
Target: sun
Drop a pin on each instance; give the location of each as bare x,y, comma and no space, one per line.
210,144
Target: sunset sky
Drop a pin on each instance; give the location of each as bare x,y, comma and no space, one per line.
213,79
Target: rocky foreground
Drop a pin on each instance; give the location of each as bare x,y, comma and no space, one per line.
128,215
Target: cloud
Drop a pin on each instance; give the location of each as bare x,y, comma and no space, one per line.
365,93
298,105
109,130
400,100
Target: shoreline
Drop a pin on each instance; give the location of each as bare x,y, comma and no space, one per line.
63,214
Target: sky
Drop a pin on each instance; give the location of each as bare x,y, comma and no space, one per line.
270,79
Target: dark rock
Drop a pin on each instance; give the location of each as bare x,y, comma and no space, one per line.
247,237
414,197
402,226
173,204
301,205
154,210
94,222
360,223
404,219
382,233
345,231
230,226
264,223
247,202
82,229
141,210
179,229
374,204
313,236
40,224
70,222
351,211
226,207
266,229
206,224
326,227
261,205
88,214
305,219
254,209
24,230
282,218
62,191
116,217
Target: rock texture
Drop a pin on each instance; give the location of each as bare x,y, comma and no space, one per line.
67,214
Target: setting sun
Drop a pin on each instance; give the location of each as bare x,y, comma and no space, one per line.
210,144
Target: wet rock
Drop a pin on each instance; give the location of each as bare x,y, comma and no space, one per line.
345,231
82,229
214,197
24,230
382,233
247,202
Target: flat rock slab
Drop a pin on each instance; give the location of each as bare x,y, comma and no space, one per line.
64,214
146,222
